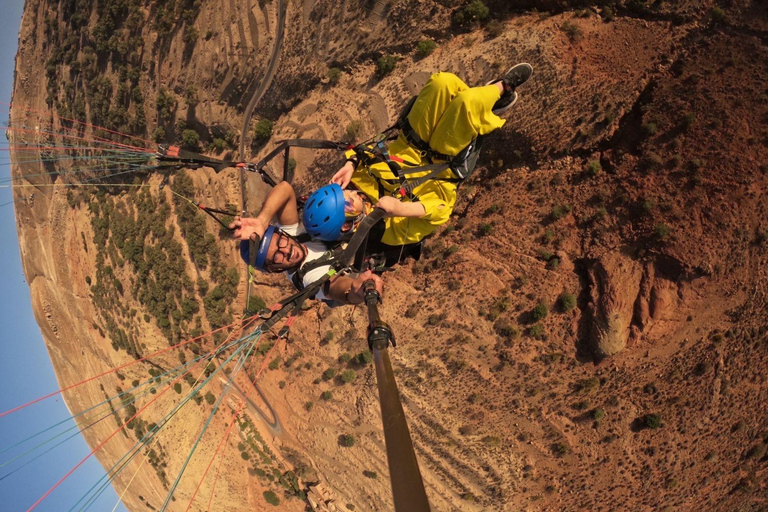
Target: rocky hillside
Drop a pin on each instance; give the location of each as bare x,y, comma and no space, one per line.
587,332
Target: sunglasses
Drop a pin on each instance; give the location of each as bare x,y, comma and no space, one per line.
350,212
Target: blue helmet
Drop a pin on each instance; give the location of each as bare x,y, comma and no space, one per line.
261,255
324,213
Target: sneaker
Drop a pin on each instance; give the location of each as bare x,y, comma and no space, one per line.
516,76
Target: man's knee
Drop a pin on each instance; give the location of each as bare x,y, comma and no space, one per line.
445,79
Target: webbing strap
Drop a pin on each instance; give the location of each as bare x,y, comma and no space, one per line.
294,302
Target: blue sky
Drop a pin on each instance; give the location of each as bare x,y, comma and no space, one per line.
26,368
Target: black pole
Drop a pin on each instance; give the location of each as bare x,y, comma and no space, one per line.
407,486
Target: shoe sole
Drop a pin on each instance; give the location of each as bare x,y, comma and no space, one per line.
521,65
506,107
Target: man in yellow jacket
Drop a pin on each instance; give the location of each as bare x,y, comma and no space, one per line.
445,118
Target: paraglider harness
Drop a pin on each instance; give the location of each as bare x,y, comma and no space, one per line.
367,153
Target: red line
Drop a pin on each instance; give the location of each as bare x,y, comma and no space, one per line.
45,112
113,434
112,371
215,480
223,438
84,139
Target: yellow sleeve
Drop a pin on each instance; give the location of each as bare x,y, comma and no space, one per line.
438,199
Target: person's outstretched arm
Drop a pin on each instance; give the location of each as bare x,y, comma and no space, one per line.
396,208
280,203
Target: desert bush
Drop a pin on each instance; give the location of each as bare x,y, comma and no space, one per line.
263,130
326,395
553,264
717,15
329,374
607,13
165,104
651,421
190,138
651,161
370,474
536,331
649,128
559,211
661,231
572,30
275,363
363,358
386,64
271,498
347,440
210,398
539,312
598,414
345,357
559,449
485,229
309,405
566,301
473,12
425,48
353,131
159,134
334,76
348,375
495,28
594,168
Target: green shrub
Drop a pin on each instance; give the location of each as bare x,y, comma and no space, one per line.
539,312
345,357
598,414
309,405
386,64
486,229
566,301
649,128
275,363
271,498
651,421
363,358
190,35
245,455
190,138
661,231
475,11
210,398
348,375
572,30
177,387
353,131
717,15
559,211
334,75
536,331
425,47
495,28
370,474
607,13
329,374
263,130
326,395
347,440
560,449
594,168
159,134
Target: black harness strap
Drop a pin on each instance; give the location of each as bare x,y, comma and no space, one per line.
294,302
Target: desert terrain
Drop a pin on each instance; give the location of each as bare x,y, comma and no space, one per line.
588,332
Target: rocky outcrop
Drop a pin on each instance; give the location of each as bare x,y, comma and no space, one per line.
614,284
